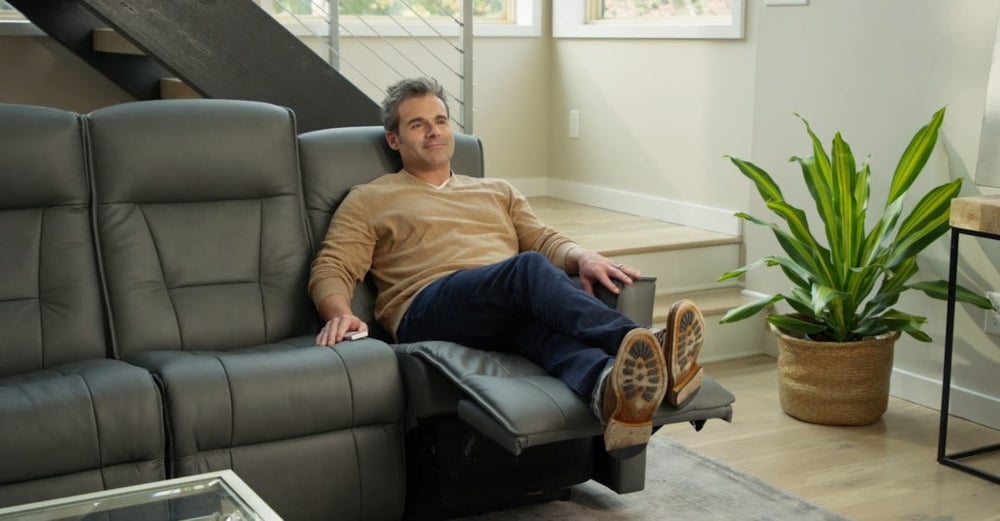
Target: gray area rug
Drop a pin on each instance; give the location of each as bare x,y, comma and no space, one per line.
680,485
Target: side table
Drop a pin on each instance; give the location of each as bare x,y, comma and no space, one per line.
979,217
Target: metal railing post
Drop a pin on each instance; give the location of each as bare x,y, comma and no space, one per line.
467,111
333,35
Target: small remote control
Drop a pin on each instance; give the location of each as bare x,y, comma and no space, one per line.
355,335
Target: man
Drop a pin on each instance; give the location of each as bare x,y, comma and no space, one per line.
465,259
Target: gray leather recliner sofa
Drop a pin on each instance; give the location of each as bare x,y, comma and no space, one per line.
154,323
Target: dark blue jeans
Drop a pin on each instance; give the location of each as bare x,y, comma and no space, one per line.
523,305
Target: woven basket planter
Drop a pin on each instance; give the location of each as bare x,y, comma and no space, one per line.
835,383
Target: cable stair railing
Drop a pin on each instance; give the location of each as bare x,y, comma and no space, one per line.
376,50
372,51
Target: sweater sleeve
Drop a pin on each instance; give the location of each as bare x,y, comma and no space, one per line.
534,235
346,253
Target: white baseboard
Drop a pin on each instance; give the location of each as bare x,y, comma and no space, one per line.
970,405
530,186
643,205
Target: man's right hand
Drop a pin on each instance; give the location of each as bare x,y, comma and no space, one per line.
341,322
337,328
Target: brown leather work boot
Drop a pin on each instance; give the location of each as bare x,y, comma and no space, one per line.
632,392
682,340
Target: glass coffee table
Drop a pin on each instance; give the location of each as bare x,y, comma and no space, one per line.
215,496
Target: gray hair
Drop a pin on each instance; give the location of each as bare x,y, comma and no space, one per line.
404,90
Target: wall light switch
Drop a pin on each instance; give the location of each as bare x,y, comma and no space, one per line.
574,124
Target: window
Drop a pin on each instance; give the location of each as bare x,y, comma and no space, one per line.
413,17
648,19
492,10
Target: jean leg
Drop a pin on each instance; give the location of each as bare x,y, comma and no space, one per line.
524,305
569,359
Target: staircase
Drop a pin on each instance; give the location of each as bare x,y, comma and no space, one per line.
190,48
685,261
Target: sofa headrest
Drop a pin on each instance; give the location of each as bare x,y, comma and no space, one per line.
192,150
42,163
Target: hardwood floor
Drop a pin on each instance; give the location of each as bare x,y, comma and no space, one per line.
886,471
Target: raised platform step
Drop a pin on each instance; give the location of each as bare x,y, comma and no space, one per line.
614,234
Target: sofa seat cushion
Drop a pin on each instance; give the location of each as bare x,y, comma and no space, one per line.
77,428
282,415
516,404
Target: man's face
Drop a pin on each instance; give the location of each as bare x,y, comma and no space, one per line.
424,139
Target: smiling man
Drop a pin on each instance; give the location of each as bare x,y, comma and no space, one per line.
465,259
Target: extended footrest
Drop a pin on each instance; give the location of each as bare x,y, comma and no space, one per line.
516,404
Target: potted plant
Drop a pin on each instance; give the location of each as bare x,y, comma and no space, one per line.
835,350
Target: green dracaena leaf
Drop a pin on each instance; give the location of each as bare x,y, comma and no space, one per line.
768,189
915,157
938,289
749,309
795,325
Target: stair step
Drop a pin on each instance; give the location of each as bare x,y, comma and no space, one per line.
174,88
710,301
109,40
614,234
722,341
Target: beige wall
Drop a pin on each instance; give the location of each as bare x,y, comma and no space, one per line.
35,70
656,116
513,95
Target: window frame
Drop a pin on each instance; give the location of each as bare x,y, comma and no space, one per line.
569,20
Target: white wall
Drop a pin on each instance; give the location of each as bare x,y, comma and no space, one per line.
876,71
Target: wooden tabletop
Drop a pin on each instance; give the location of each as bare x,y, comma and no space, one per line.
978,213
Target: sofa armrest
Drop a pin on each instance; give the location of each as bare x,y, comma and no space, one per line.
635,300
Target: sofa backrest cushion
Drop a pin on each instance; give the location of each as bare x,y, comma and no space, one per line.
200,224
336,159
50,301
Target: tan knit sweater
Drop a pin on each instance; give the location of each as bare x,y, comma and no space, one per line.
409,234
